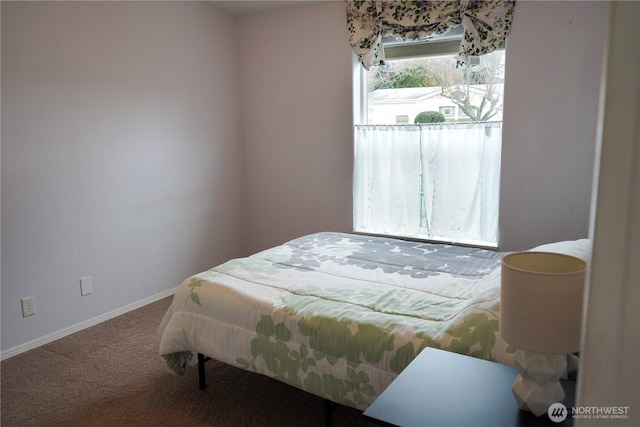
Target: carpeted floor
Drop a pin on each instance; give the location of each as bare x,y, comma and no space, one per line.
111,375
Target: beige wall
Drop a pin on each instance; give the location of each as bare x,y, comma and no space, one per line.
296,97
552,88
120,155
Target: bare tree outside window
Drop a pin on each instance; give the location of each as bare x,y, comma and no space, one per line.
476,90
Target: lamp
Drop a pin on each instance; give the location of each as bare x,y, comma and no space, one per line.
540,314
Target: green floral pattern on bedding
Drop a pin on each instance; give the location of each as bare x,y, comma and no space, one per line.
193,284
366,344
344,342
272,345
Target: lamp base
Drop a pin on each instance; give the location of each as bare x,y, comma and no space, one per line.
538,387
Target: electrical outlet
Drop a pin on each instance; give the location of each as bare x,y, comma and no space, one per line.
86,286
28,306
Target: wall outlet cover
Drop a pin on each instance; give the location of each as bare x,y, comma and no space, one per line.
86,286
28,306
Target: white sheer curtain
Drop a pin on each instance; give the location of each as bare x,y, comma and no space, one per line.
436,182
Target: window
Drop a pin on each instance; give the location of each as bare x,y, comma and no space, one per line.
436,175
448,111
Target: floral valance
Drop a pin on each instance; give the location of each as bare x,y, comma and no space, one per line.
486,24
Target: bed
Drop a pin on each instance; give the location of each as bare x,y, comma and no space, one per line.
341,315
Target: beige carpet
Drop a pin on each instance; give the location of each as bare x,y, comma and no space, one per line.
111,375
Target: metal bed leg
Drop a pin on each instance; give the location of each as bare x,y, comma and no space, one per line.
328,413
201,375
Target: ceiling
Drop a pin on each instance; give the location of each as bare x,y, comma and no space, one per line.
248,7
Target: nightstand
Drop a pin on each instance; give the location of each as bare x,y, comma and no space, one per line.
440,389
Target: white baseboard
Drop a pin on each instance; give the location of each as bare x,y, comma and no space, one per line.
83,325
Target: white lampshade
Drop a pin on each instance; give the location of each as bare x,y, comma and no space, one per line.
541,301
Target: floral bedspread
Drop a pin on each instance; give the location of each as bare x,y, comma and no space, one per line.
338,315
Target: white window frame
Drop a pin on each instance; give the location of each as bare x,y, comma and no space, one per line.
409,50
